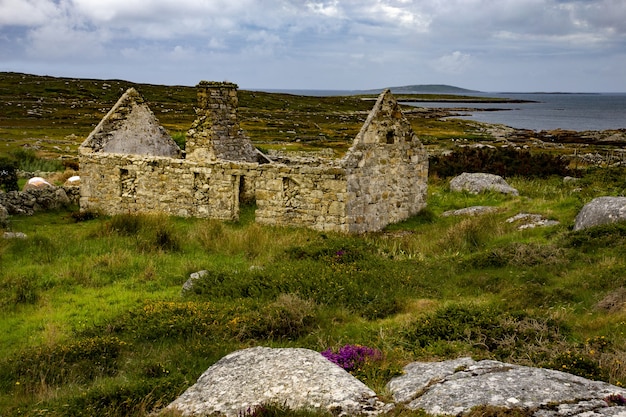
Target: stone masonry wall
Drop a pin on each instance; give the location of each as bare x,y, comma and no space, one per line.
313,197
381,180
117,184
386,170
215,134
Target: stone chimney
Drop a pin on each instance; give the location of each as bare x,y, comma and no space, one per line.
215,134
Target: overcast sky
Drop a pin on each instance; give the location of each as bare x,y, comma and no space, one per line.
488,45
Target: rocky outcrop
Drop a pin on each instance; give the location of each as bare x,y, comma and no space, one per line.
296,378
478,182
454,387
601,210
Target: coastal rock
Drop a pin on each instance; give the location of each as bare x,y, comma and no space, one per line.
453,387
601,210
478,182
296,378
470,211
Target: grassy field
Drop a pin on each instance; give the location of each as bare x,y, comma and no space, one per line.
93,320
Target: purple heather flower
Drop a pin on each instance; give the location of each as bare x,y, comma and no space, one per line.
351,357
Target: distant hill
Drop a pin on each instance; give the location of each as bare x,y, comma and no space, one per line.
428,88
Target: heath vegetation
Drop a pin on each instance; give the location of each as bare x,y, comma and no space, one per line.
95,322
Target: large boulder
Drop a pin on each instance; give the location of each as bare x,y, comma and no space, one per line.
478,182
454,387
296,378
37,183
601,210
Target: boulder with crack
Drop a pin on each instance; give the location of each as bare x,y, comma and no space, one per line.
454,387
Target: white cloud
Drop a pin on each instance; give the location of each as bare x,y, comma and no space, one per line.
454,63
320,39
27,12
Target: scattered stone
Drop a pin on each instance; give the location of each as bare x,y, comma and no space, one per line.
569,180
188,285
478,182
601,210
14,235
530,221
296,378
470,211
453,387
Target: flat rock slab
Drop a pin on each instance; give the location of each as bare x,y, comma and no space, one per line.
296,378
470,211
454,387
478,182
530,221
601,210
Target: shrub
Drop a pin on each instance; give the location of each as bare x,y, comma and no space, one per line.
505,162
27,160
352,357
8,175
501,334
365,363
76,362
151,232
494,411
580,364
289,317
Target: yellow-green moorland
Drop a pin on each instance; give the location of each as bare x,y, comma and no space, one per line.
93,317
93,320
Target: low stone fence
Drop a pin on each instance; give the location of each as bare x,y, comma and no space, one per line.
32,200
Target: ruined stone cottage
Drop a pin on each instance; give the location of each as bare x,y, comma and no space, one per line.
130,164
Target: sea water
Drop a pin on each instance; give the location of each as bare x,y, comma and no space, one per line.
570,111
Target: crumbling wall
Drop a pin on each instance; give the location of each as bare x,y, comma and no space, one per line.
302,196
117,184
381,180
215,134
386,170
130,127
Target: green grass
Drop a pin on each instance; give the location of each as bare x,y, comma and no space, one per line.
94,320
104,296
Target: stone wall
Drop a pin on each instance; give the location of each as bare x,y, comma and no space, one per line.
382,178
117,184
300,195
38,199
215,134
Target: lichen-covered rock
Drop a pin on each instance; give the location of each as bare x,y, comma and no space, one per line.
478,182
601,210
296,378
530,221
470,211
188,285
454,387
